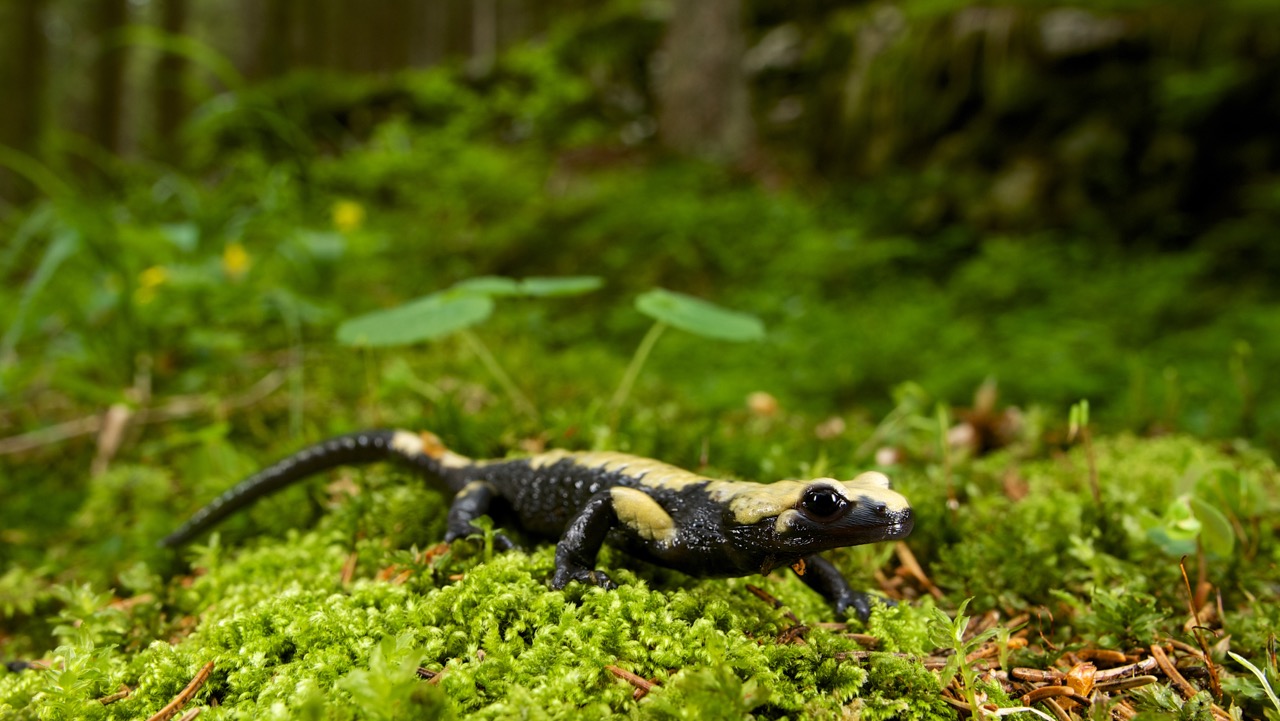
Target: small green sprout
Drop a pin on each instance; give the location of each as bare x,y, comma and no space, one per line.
456,310
687,313
949,633
1078,424
1262,677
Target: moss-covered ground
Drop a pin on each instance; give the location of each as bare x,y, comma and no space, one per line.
359,613
199,304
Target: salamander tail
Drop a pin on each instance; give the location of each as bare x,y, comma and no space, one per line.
423,451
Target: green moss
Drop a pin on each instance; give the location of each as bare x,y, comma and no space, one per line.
290,639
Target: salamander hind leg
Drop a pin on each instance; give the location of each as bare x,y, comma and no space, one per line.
472,502
580,545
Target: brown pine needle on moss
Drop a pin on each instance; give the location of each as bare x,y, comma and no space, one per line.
184,696
643,686
123,693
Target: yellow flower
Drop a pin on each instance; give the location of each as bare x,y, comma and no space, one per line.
148,281
347,215
235,260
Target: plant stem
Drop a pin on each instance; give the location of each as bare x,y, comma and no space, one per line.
1092,460
293,326
518,399
633,369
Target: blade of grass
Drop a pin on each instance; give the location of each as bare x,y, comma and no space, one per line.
637,363
481,351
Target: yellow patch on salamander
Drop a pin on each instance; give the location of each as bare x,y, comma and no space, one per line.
651,473
639,512
428,444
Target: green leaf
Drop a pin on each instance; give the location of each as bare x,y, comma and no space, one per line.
699,317
1216,535
429,317
184,236
563,285
495,285
488,285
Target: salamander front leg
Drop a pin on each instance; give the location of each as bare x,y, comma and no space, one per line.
576,553
472,502
822,576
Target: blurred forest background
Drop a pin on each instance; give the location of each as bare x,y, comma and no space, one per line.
1076,199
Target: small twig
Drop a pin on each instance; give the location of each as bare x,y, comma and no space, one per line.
118,695
1170,672
349,568
1123,684
1204,648
643,686
794,634
1141,668
177,407
185,695
1101,655
1045,692
114,423
909,562
190,715
1037,675
1058,712
765,596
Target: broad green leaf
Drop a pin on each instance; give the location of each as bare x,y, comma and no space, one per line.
1216,535
699,317
429,317
560,285
489,285
495,285
184,236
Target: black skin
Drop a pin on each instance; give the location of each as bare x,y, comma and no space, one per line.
570,499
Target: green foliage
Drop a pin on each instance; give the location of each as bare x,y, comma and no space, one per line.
429,317
1121,618
1263,681
950,634
699,317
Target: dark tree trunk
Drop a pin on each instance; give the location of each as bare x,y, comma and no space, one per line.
108,73
170,96
275,42
484,34
704,106
23,66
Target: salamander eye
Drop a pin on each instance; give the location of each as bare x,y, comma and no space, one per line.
823,504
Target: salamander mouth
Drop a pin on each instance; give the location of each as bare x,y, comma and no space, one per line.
897,526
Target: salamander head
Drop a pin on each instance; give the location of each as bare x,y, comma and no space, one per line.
821,514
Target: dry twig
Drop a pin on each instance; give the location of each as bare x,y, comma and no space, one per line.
177,407
643,686
184,696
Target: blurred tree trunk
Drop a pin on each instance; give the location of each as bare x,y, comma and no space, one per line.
110,17
392,33
169,88
23,66
704,107
274,44
313,21
484,34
